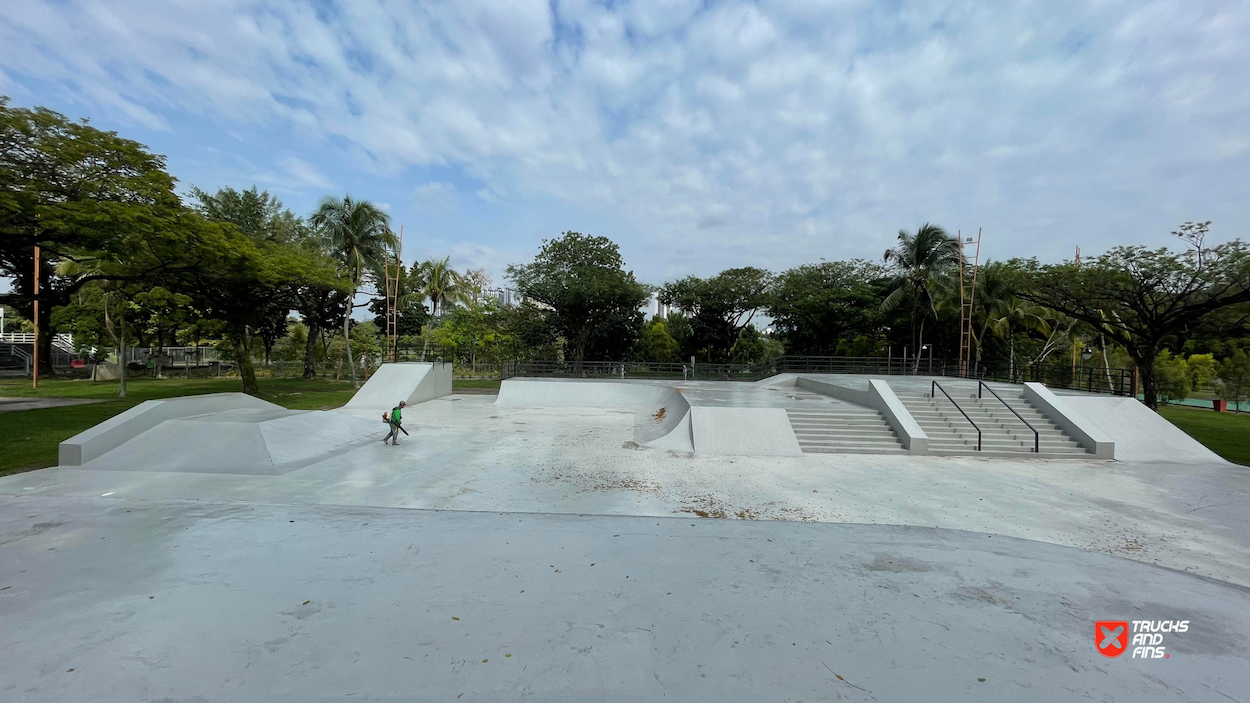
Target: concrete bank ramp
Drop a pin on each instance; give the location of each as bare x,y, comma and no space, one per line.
1139,433
242,441
411,382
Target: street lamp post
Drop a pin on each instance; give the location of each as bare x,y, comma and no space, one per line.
1086,355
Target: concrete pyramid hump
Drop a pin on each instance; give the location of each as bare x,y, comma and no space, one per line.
241,441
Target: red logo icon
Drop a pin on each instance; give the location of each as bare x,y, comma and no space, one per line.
1111,637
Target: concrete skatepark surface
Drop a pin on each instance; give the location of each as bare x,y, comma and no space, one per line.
290,603
911,577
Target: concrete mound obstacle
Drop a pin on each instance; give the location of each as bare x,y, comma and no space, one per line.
123,427
242,441
239,434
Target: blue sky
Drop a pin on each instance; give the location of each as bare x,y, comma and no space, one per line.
698,135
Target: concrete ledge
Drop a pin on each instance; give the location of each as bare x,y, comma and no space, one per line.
123,427
880,397
743,432
1070,420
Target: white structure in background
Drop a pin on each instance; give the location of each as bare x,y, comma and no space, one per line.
64,342
506,297
662,310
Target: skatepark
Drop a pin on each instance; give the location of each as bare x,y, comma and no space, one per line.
835,537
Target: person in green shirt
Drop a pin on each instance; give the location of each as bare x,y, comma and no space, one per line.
395,420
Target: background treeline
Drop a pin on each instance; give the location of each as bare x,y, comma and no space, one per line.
125,261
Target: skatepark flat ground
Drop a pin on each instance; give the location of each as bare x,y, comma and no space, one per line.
910,577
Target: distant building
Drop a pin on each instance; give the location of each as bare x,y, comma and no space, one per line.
506,297
661,310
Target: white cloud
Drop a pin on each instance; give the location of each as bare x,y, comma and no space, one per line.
795,130
435,195
465,254
304,173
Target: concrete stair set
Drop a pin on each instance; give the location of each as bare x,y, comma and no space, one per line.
856,429
1001,431
843,431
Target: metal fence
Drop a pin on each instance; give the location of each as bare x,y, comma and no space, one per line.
175,357
1086,378
18,357
430,352
637,369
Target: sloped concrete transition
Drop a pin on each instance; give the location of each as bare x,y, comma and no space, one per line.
544,545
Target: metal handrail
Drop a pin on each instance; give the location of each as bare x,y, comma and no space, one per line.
1037,441
961,410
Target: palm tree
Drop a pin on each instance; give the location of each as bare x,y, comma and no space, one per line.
438,282
1011,312
359,235
442,284
919,259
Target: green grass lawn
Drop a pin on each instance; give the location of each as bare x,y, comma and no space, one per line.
475,383
1226,434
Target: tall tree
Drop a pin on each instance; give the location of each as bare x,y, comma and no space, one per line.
441,284
359,234
1234,377
259,215
79,194
321,305
719,307
594,303
656,344
917,260
814,306
411,314
242,282
1140,297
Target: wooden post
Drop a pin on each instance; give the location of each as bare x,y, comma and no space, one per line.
35,347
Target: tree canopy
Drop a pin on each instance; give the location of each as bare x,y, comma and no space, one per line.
593,302
816,306
1140,297
719,307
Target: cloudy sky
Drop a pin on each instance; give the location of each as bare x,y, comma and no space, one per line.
699,135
